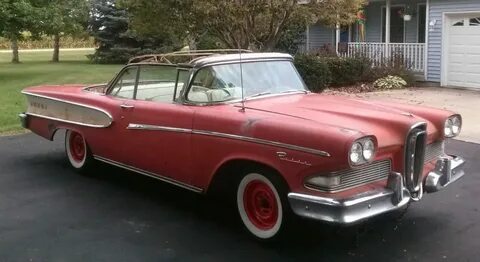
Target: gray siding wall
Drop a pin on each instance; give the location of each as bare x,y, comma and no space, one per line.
321,35
437,9
374,21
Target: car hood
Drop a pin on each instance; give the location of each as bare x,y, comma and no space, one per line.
365,117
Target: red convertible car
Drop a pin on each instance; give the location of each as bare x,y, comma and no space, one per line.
244,124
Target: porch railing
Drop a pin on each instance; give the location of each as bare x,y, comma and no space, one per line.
412,54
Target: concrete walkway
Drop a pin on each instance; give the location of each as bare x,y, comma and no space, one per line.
465,102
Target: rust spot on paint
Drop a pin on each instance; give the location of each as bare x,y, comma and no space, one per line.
249,124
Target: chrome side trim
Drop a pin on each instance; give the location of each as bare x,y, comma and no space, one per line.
263,142
149,174
229,136
158,128
71,103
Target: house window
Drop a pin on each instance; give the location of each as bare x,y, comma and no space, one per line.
475,21
397,25
345,34
459,23
422,19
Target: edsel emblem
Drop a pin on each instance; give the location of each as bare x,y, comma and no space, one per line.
284,157
38,105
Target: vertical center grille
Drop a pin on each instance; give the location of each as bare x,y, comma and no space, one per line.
415,156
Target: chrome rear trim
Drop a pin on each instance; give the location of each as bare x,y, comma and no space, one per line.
67,121
229,136
149,174
107,114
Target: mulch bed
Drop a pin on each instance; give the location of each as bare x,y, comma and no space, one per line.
354,89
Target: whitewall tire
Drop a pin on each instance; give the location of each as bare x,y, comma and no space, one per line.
260,206
77,150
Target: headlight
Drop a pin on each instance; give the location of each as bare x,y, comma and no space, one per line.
368,150
356,153
362,151
453,126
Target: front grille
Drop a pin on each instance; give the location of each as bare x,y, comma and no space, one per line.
415,146
375,171
434,151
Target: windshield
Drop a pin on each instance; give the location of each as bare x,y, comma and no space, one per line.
222,83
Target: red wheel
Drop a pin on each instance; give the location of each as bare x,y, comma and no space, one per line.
259,206
77,147
77,150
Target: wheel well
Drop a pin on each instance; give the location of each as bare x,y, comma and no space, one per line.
231,171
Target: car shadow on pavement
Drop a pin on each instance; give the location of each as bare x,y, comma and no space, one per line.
307,239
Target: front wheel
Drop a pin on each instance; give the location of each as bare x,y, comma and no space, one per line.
260,206
77,151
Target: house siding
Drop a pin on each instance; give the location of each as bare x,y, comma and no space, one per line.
437,9
320,35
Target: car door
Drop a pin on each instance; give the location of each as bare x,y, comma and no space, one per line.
109,143
159,130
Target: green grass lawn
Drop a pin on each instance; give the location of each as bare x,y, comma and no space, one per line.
36,69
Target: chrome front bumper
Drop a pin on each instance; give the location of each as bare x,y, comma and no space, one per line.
369,204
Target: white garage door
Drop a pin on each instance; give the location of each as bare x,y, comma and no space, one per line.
463,51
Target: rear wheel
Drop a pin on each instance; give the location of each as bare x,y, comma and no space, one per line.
262,206
77,151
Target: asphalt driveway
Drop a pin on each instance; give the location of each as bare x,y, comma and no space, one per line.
49,213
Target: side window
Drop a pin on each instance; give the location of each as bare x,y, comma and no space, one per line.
125,85
183,76
157,83
208,86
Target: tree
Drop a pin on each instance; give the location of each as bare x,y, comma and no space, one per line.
65,17
18,16
254,24
109,25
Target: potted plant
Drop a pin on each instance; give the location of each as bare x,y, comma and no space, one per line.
406,13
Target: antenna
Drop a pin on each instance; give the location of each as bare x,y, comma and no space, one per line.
241,79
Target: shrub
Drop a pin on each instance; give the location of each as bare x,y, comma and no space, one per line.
348,71
314,71
390,82
393,66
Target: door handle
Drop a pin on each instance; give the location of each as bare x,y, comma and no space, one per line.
127,106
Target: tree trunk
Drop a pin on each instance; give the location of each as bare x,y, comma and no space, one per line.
56,48
15,58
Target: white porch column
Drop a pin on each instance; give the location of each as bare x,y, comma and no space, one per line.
388,17
337,38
